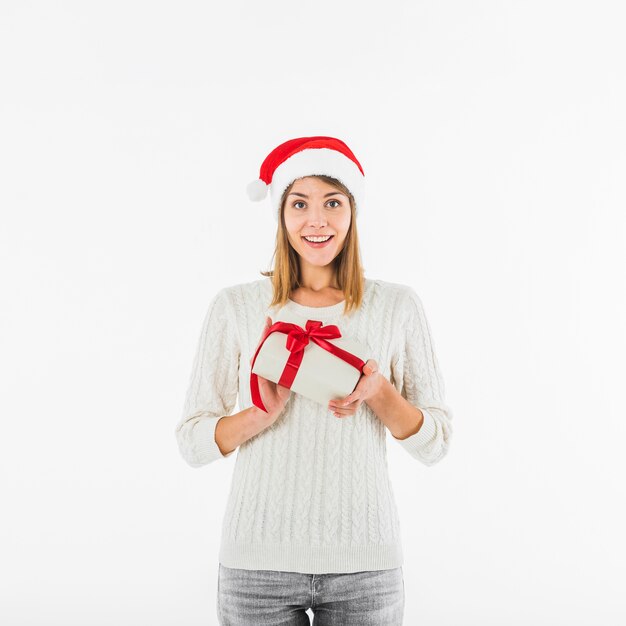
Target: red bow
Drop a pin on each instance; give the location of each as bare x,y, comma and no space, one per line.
296,341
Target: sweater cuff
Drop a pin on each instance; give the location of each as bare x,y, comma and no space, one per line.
207,449
423,436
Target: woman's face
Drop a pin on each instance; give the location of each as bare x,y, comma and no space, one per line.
315,208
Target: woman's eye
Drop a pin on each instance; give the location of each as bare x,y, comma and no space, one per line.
295,204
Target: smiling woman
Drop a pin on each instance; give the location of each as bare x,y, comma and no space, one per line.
314,221
312,208
311,522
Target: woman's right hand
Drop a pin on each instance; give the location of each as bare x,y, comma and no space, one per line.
274,396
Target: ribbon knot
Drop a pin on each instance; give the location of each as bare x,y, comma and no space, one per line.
298,338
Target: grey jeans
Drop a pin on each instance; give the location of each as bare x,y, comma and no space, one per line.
273,598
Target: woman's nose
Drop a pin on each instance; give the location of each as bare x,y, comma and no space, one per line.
317,217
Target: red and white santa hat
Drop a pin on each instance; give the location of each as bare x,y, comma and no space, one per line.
306,156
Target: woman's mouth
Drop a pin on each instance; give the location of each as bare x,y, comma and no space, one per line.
319,244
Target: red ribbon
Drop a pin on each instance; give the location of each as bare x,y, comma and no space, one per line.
296,341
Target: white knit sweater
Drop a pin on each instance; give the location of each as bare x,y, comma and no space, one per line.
311,493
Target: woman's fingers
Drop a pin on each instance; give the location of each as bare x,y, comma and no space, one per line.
372,365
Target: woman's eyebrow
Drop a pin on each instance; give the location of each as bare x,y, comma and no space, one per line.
303,195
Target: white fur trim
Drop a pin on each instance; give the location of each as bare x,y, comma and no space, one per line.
317,161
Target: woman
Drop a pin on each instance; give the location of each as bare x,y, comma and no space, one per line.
311,521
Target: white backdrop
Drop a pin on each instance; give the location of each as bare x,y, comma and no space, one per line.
492,136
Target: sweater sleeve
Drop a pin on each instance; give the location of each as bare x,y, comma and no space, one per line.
213,384
417,376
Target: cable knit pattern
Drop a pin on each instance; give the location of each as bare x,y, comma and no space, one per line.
311,493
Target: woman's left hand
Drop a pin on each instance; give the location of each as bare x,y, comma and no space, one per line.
368,386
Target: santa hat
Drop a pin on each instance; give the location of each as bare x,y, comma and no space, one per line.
306,156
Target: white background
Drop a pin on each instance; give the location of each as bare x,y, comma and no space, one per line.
492,135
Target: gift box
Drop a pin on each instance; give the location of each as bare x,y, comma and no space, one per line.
310,358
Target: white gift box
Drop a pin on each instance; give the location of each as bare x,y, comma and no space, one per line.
321,376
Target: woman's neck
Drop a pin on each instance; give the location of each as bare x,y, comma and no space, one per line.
326,296
318,279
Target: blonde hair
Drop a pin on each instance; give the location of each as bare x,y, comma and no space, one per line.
347,264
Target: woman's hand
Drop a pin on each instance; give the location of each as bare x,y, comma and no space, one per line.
274,396
368,386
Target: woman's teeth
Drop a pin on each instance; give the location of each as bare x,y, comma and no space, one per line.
318,242
318,239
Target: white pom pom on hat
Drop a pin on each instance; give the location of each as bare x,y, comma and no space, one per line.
256,190
307,156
